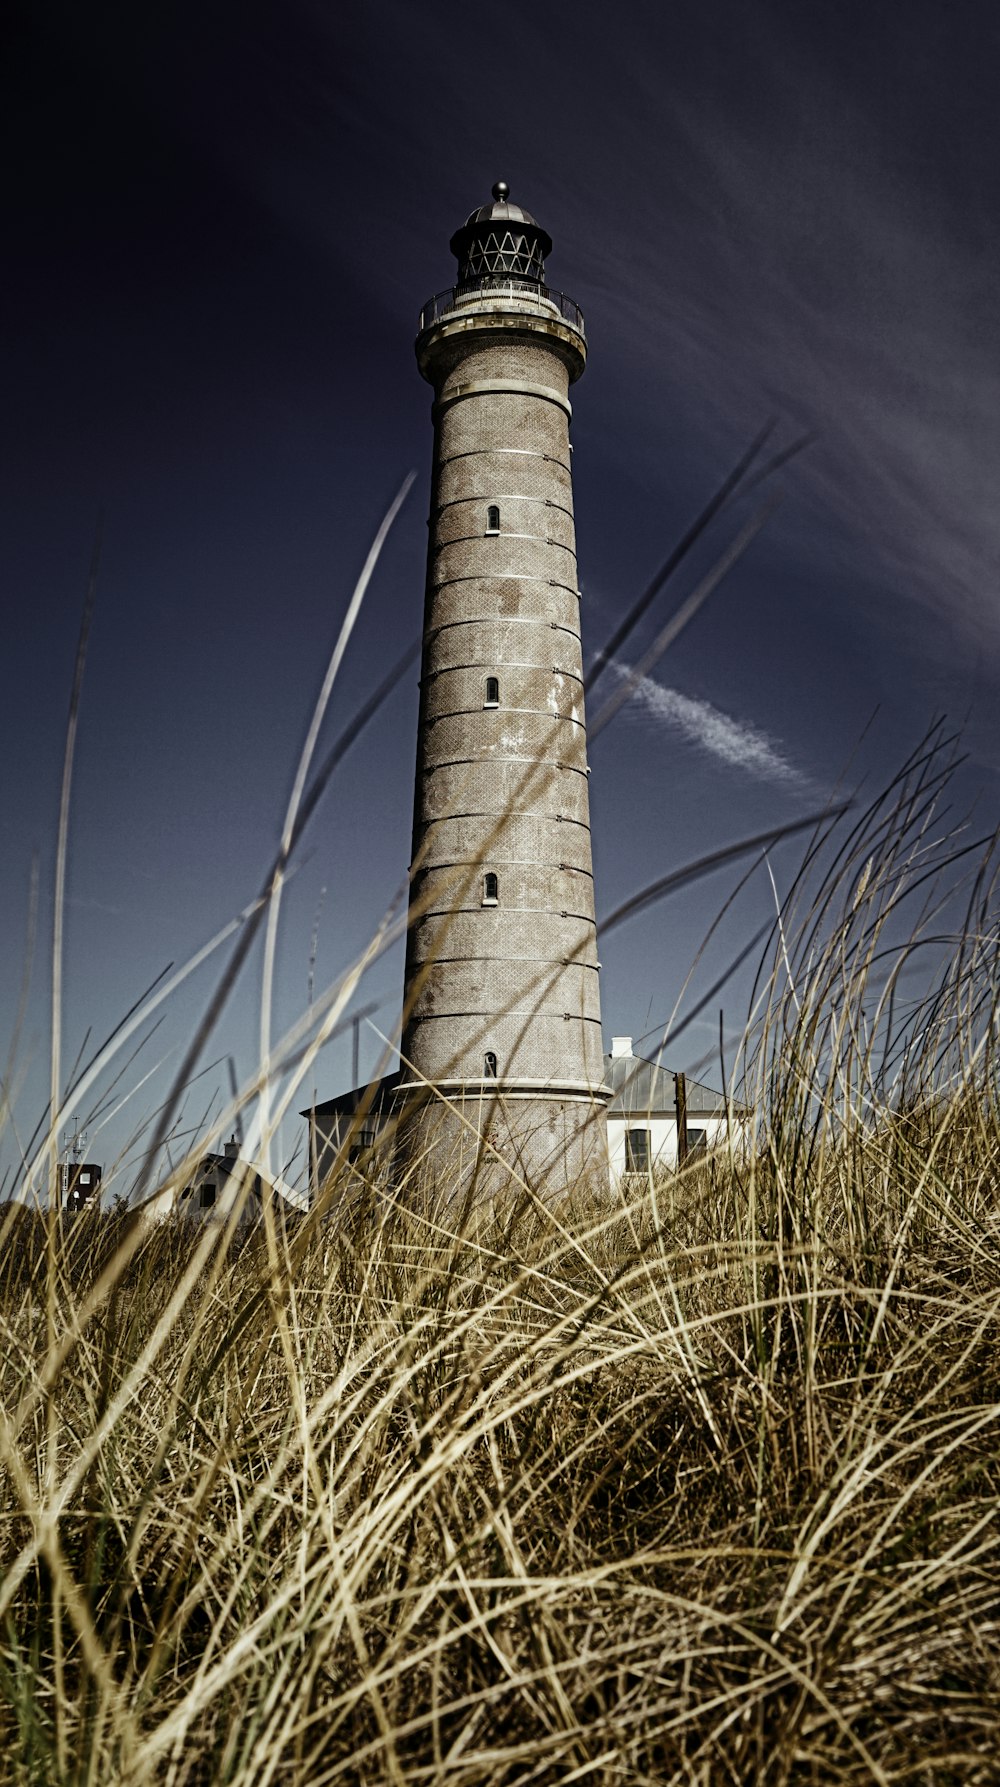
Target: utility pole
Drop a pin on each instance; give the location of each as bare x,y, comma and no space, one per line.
680,1097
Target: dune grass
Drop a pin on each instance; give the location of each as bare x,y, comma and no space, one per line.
698,1483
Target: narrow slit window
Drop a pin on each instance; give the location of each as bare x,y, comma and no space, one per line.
491,890
492,692
490,1064
493,519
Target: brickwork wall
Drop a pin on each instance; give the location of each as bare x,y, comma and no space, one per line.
503,788
551,1144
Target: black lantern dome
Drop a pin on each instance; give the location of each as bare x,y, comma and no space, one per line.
501,244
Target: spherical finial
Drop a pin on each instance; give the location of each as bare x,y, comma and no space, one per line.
501,191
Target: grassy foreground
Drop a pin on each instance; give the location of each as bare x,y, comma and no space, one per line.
698,1484
648,1498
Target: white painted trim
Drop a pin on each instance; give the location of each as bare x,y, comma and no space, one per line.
519,386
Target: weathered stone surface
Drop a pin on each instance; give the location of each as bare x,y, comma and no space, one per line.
503,1002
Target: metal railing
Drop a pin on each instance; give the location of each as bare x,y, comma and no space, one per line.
457,295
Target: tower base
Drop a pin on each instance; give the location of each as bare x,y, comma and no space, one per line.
464,1142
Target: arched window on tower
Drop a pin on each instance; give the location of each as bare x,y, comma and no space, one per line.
490,1064
493,519
491,889
492,692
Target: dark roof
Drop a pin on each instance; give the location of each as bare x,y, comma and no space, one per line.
501,209
640,1088
375,1096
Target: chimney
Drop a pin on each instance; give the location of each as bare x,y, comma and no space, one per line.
232,1149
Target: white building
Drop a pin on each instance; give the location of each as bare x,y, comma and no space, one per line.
220,1184
643,1114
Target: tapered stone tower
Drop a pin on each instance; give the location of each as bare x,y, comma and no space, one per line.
502,1053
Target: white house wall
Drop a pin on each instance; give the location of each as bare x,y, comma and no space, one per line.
662,1139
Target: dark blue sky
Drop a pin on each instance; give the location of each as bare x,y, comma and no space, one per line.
224,220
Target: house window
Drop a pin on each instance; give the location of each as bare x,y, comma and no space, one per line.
207,1196
637,1150
493,519
491,890
490,1064
697,1142
492,692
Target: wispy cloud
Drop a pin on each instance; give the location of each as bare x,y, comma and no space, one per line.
736,743
853,288
759,222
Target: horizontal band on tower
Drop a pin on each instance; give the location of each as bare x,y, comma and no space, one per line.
534,540
547,765
506,533
556,963
508,620
503,664
535,1014
507,862
492,1090
524,452
465,713
503,496
482,955
518,387
508,577
482,958
514,818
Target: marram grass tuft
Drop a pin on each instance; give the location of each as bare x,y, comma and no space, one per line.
699,1484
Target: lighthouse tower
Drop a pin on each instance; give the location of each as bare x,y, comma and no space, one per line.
501,1048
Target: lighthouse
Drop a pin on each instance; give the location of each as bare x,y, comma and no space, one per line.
502,1069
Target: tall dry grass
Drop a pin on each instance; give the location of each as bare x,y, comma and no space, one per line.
697,1484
